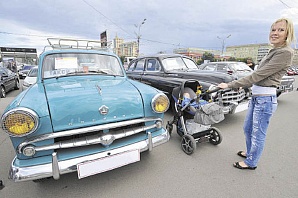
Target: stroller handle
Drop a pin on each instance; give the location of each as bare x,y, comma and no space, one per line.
216,90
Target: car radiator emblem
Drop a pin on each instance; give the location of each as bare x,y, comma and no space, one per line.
104,110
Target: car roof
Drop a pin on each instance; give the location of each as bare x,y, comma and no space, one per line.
162,56
227,62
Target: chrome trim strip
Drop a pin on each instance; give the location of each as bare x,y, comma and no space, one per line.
19,174
84,130
105,139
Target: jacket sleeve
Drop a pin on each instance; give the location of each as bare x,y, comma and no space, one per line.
279,61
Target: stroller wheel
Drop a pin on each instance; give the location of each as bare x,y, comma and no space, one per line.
215,137
188,144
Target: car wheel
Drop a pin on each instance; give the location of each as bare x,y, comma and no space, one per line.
188,144
2,92
215,137
17,85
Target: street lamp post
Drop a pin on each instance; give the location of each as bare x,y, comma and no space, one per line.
223,43
139,35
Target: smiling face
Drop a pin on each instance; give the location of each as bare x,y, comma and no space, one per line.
278,34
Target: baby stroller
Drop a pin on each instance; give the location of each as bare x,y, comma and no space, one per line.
193,117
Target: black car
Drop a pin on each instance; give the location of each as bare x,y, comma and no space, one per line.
8,81
167,71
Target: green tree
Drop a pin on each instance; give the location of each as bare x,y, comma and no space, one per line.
208,56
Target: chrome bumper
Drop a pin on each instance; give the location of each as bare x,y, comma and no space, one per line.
57,168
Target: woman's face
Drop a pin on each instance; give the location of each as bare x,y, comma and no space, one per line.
278,34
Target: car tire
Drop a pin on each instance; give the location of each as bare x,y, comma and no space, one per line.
2,92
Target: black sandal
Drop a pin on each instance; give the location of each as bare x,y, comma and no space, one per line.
237,165
240,154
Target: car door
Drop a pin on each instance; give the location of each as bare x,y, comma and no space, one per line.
7,79
136,69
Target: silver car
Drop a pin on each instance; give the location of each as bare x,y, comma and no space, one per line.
238,69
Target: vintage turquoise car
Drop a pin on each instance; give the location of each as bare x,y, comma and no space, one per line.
83,115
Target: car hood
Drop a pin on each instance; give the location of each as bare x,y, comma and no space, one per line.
206,76
81,103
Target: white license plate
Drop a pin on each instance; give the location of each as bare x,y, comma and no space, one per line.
107,163
241,107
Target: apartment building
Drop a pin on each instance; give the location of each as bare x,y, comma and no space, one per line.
127,49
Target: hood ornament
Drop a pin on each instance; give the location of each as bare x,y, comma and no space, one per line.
104,110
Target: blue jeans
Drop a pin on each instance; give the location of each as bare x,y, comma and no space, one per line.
255,127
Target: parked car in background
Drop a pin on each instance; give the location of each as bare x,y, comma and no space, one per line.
82,115
8,81
293,70
286,85
30,78
24,71
167,71
238,69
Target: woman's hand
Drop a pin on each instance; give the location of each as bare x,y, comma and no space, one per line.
222,85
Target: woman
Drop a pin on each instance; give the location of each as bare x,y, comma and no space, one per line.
264,82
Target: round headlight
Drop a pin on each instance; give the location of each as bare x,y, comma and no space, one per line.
19,122
160,103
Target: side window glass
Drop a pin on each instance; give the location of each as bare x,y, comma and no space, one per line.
131,66
140,65
221,67
210,67
152,65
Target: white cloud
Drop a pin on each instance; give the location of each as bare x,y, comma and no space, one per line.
187,23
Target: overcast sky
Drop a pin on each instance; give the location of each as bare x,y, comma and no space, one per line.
169,24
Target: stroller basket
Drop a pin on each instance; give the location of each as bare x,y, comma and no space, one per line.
210,113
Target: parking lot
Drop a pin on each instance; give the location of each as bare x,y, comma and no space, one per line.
168,172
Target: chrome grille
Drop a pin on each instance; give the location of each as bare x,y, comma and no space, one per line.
92,135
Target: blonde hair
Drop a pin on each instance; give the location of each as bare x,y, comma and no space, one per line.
289,28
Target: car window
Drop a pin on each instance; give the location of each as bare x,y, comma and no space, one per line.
140,65
210,67
240,66
131,66
190,63
153,65
173,63
59,64
222,67
33,72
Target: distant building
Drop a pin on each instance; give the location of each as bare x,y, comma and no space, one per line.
254,51
197,53
127,49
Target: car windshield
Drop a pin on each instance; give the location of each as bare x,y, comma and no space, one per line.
190,64
240,67
69,64
174,63
33,72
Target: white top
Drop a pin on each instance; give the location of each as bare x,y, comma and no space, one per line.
258,90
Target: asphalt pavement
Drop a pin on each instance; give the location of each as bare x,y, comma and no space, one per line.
167,171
